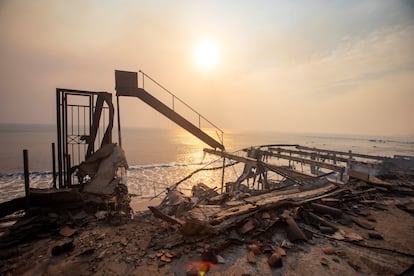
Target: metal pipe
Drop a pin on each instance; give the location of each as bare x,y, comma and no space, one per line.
26,177
65,137
68,172
192,109
59,136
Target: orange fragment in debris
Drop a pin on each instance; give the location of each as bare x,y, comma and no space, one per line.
281,251
255,248
329,250
166,259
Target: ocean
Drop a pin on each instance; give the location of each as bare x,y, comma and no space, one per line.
158,158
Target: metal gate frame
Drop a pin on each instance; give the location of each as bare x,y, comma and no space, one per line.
76,142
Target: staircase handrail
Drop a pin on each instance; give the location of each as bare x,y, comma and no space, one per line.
173,100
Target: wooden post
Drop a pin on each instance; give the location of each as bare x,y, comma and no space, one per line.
26,177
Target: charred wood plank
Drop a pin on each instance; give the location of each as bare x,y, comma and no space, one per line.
43,198
343,153
322,221
246,160
363,224
294,233
157,213
306,161
14,205
324,209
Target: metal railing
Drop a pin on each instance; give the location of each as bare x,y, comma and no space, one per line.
174,98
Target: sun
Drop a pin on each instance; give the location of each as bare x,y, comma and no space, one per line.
206,54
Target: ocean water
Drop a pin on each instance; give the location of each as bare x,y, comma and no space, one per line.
158,158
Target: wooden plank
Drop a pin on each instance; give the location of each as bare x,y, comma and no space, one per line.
306,161
256,203
254,199
366,156
247,160
297,196
288,173
358,175
204,212
328,156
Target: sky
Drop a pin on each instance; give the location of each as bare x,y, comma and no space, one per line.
342,67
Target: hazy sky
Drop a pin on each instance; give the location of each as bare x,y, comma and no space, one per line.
304,66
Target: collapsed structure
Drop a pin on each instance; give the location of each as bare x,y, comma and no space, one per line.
270,209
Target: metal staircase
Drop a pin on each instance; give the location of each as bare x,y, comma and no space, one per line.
127,85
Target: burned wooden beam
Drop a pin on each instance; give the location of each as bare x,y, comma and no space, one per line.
246,160
324,209
157,213
306,161
343,153
331,155
11,206
322,221
287,173
42,198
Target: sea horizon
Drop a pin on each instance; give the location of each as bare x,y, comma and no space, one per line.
159,157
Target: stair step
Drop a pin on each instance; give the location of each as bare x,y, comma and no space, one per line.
126,85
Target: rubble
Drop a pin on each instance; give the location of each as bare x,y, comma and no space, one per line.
62,211
347,227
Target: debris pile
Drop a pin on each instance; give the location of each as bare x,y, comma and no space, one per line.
103,197
304,225
334,213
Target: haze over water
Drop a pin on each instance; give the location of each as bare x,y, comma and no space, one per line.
160,157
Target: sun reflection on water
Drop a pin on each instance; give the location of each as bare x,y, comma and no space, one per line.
190,158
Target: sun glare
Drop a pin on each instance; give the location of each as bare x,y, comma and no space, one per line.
206,54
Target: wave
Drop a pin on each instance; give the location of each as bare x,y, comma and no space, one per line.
163,166
21,174
130,168
391,141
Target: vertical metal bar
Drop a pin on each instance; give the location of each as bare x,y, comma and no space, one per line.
59,135
71,120
222,174
65,138
71,134
91,110
26,177
71,160
84,132
69,180
53,166
78,137
119,120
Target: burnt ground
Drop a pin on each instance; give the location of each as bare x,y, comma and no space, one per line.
147,245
